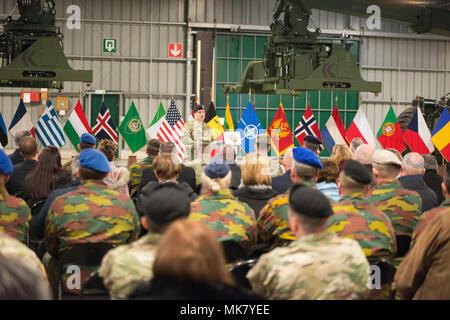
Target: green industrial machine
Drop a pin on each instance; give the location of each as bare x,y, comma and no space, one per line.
295,60
31,50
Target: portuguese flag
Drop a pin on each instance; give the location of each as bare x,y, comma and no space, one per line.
390,134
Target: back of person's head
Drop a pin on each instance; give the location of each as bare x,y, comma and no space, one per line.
216,176
19,282
228,154
413,163
303,171
262,143
395,151
166,168
430,162
329,173
340,153
356,142
167,147
153,146
109,148
162,203
28,147
256,170
190,250
20,135
93,165
46,174
364,154
311,146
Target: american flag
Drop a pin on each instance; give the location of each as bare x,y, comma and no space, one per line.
104,127
171,128
308,127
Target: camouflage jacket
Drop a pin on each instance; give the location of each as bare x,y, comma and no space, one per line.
195,136
136,171
272,225
355,218
313,267
91,213
228,217
403,206
124,267
198,165
426,217
14,216
14,249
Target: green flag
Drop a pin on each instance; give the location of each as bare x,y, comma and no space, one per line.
132,130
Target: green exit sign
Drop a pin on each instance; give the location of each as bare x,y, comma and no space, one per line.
109,45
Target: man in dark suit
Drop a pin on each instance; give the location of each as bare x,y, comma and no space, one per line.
229,155
29,149
187,174
281,184
16,157
432,178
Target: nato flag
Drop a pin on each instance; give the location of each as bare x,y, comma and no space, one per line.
249,127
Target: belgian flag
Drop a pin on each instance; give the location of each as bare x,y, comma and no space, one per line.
213,121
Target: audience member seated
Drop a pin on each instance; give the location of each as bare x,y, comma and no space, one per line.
364,155
229,156
355,144
312,143
326,182
137,169
431,177
318,264
124,267
117,179
281,184
17,157
256,189
262,147
340,154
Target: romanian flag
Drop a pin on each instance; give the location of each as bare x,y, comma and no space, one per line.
390,134
280,132
441,134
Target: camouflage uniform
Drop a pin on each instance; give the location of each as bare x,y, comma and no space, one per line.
401,205
136,171
228,217
272,225
14,216
125,266
316,266
196,136
13,249
355,218
90,214
426,217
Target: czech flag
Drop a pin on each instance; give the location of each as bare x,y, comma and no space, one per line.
417,135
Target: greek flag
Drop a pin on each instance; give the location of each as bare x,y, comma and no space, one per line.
49,129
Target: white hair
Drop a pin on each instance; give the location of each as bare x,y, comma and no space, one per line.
413,162
364,154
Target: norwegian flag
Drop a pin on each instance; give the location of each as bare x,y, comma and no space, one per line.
104,127
171,128
308,127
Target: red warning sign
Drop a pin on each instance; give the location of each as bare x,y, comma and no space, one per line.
175,50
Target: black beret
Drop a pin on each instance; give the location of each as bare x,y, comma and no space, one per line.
355,170
312,139
198,107
309,202
163,203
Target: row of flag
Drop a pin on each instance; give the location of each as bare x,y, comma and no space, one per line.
168,126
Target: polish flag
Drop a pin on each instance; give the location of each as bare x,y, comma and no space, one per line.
360,128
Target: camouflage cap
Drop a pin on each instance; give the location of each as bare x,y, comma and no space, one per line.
355,170
309,202
386,157
6,166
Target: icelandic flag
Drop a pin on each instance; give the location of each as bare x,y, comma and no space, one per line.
360,128
417,135
334,131
249,128
104,127
49,129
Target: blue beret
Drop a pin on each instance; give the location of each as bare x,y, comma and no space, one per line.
6,166
95,160
87,138
306,156
216,168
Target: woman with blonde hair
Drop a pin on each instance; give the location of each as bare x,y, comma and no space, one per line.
190,264
118,178
340,154
256,188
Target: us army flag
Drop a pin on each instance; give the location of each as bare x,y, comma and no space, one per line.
132,130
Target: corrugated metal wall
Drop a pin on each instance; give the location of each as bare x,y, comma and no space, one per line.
407,66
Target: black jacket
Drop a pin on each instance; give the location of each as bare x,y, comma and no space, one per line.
256,198
187,175
16,157
416,183
434,182
281,184
16,183
236,176
165,288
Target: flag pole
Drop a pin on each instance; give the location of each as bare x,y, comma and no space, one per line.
250,95
171,94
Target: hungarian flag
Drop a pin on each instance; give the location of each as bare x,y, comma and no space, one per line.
360,128
132,130
228,119
21,121
390,134
280,132
417,135
213,121
76,125
156,122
